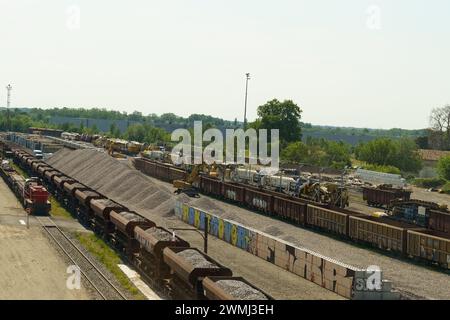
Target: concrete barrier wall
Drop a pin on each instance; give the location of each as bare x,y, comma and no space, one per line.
326,272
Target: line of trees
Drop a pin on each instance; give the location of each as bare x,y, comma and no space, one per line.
284,115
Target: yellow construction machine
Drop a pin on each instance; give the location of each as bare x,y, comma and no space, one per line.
189,185
327,193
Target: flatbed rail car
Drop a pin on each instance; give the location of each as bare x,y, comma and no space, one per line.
383,233
382,197
138,238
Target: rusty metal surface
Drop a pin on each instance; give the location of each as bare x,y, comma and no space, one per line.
70,188
330,220
127,221
188,272
233,192
215,292
259,200
293,211
439,221
155,245
103,207
42,169
211,186
50,174
383,197
374,231
85,196
429,245
60,180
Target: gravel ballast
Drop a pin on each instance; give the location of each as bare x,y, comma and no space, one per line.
196,259
240,290
160,234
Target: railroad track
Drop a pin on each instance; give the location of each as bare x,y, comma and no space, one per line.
93,275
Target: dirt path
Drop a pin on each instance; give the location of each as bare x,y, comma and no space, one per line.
30,268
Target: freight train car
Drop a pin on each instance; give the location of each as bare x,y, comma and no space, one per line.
328,220
152,241
101,209
293,211
428,245
189,266
380,233
382,196
439,221
232,288
122,233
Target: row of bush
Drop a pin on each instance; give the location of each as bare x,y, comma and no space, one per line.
438,183
380,168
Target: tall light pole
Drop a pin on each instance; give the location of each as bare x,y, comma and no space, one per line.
246,91
8,102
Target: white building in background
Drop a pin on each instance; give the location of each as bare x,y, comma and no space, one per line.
380,177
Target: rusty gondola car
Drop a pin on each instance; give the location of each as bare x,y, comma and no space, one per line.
189,267
122,233
382,196
152,241
232,288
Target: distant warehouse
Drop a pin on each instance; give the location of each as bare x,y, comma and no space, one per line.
45,131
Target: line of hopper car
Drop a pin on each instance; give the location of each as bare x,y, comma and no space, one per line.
430,242
163,258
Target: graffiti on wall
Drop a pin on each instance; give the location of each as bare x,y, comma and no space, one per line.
325,272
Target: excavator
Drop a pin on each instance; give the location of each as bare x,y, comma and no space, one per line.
189,185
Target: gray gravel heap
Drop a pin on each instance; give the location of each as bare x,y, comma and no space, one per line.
160,234
196,259
240,290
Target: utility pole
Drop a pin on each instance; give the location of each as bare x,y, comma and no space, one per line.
8,102
246,91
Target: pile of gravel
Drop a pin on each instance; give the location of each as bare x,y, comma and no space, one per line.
196,259
125,185
240,290
160,234
115,180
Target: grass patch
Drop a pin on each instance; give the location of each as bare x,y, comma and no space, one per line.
429,182
19,169
110,259
57,210
446,188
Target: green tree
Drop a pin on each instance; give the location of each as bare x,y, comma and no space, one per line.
443,167
284,116
114,131
400,153
135,132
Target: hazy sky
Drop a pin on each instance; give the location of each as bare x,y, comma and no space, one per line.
379,63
